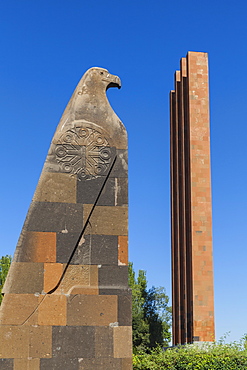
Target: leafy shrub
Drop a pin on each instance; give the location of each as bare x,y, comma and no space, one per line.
211,356
151,315
5,262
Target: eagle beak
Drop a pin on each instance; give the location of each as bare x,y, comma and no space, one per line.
115,82
118,82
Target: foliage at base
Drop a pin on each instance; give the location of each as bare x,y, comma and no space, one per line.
193,357
5,262
151,314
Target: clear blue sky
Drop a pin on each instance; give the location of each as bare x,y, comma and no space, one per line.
46,46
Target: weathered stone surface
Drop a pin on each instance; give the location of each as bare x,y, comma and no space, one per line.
107,254
15,341
73,342
89,252
27,364
102,364
25,341
19,281
115,291
56,217
87,191
59,364
52,274
107,220
40,342
66,242
113,277
37,247
92,310
125,309
79,276
56,187
103,342
52,310
122,336
121,183
67,288
123,250
6,364
126,363
121,167
16,308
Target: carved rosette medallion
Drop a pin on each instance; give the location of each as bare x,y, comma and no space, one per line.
84,151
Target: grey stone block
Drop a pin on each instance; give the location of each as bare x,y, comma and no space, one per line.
59,364
122,191
20,281
115,291
73,341
88,190
120,168
125,309
104,250
113,277
54,216
101,364
93,250
6,364
103,342
65,246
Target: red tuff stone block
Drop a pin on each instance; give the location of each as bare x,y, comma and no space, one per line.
123,250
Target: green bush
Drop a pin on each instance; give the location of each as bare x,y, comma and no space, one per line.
5,262
151,315
193,357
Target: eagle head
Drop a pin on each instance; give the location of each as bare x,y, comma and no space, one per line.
102,76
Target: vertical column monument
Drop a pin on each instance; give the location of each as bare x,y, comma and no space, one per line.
191,207
66,302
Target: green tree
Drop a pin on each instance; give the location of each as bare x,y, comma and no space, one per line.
5,262
151,315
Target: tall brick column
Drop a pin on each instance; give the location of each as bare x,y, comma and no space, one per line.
191,207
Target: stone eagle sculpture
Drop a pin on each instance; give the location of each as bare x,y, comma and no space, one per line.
66,298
